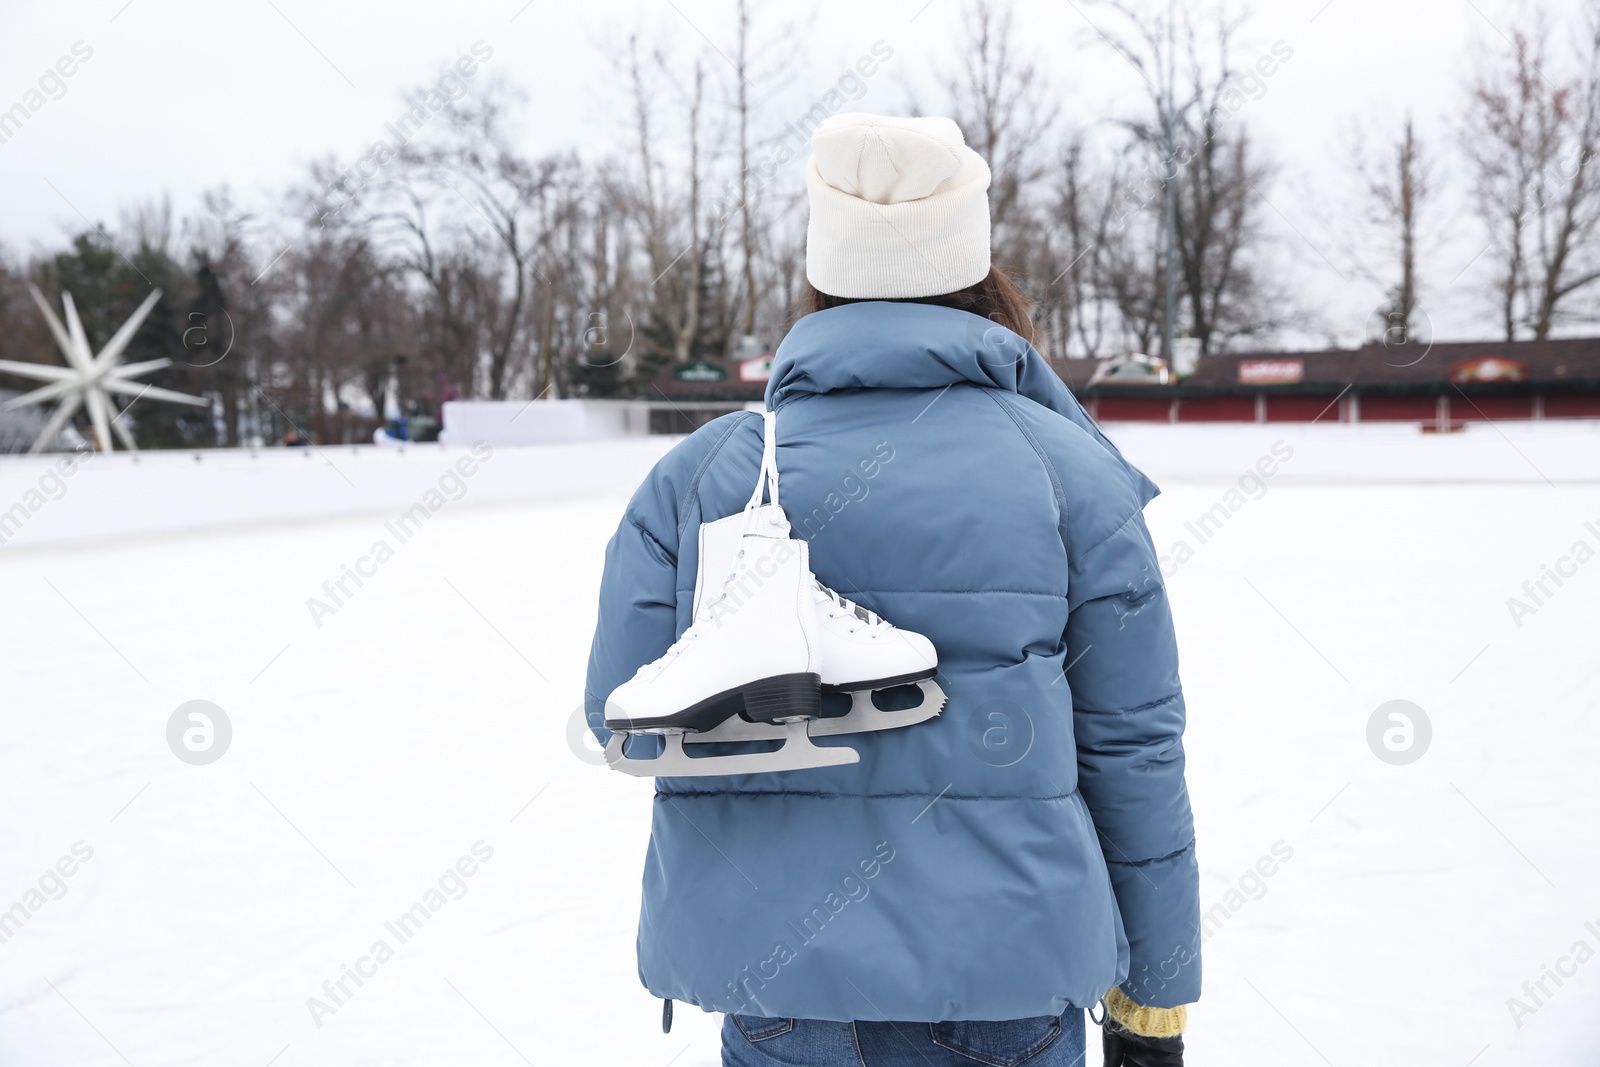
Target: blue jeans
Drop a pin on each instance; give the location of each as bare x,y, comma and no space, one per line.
1047,1041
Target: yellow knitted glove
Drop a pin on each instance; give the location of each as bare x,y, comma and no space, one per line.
1146,1022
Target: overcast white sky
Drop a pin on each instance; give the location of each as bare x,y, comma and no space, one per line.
182,95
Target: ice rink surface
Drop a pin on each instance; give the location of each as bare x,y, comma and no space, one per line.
419,730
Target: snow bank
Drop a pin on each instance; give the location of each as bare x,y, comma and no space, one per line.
114,497
120,495
1556,451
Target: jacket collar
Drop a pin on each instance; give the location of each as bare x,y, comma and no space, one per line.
882,344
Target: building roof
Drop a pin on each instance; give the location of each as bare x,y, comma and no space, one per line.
1075,372
669,385
1566,363
1533,365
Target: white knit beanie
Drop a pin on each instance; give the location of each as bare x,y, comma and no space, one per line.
899,208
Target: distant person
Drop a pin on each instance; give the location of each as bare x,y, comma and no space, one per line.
292,439
975,883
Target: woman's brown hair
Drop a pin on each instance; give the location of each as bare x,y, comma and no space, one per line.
996,298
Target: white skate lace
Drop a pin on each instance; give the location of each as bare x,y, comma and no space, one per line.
706,612
839,607
835,605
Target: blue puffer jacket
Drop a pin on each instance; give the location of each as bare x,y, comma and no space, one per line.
1027,849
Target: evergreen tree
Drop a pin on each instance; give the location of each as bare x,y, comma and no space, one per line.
107,287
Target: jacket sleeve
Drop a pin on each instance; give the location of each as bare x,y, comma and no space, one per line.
1128,718
638,611
637,617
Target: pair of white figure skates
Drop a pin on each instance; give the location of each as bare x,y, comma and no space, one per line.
767,641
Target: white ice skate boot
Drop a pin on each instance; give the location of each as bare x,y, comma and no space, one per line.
752,654
767,639
863,652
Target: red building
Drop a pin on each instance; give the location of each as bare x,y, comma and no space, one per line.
1441,385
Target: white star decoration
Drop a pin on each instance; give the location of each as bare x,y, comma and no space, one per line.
89,379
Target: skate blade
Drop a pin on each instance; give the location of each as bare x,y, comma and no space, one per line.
865,717
797,754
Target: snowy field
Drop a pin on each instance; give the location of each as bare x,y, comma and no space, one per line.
410,745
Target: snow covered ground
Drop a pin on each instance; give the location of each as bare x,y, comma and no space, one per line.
409,744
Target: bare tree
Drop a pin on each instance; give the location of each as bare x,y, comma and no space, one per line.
1397,183
450,331
24,337
473,159
1219,177
230,331
1084,211
747,323
1006,106
1530,137
149,223
589,282
671,218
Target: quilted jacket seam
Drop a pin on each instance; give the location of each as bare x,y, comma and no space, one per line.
856,796
692,490
1053,594
1158,859
1120,527
1044,458
1169,698
631,521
